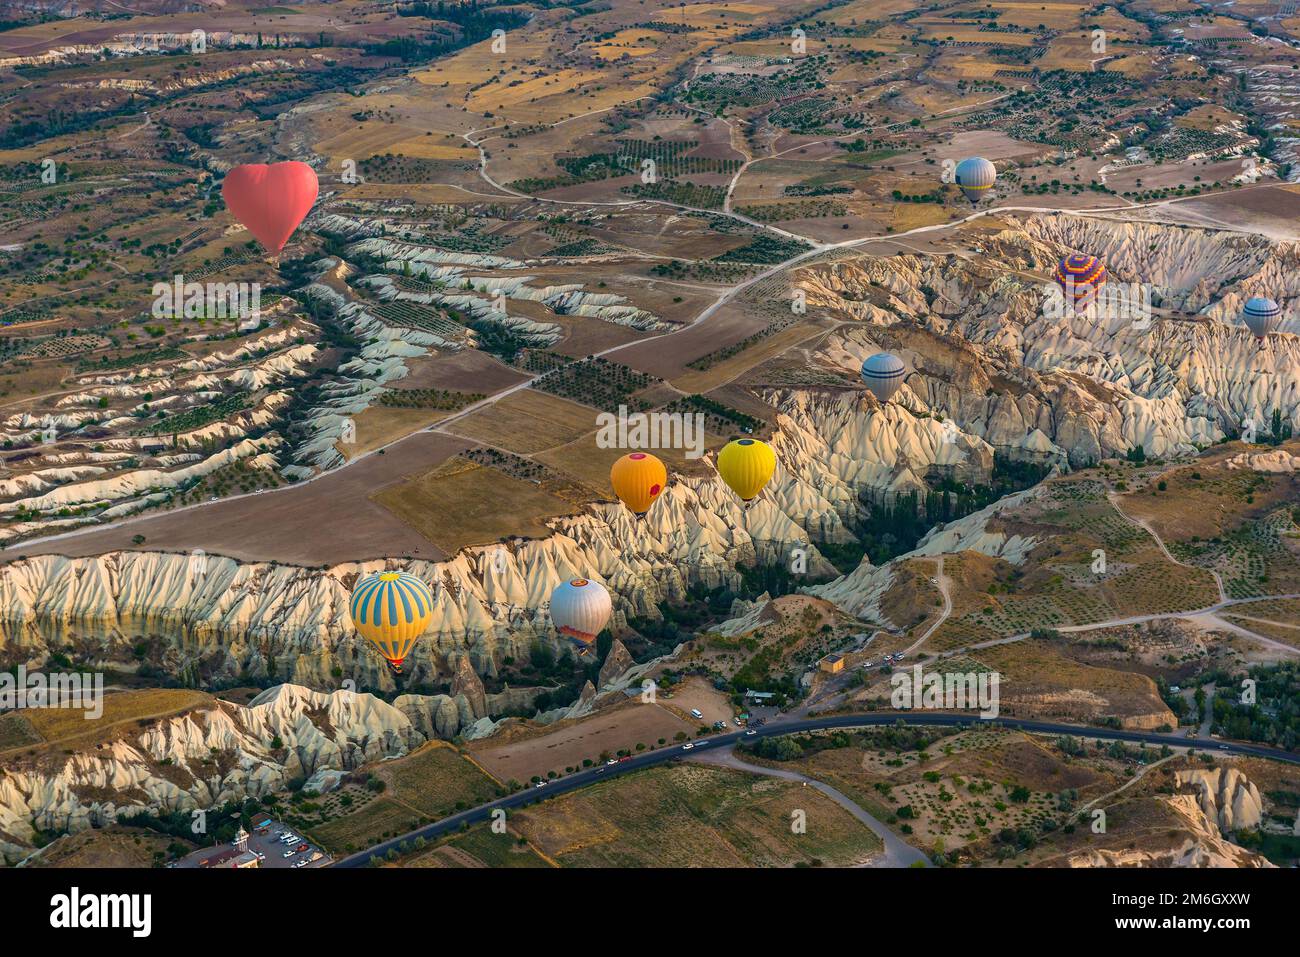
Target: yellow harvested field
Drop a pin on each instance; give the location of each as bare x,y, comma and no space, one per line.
367,140
434,147
1069,53
379,425
1056,16
973,34
867,10
460,504
693,815
528,421
535,88
1135,66
905,216
637,42
57,725
695,13
476,63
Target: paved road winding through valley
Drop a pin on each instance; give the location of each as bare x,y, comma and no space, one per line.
595,775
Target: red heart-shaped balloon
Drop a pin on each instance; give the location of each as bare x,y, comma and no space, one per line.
271,200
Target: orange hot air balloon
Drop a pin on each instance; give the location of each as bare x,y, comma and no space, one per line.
638,478
271,200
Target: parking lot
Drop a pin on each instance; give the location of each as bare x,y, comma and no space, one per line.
274,845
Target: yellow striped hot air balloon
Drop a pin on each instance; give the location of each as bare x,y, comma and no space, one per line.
391,610
638,478
746,465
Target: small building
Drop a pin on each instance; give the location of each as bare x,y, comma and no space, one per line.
760,695
832,664
231,858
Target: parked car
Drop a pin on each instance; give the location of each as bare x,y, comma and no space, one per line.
697,713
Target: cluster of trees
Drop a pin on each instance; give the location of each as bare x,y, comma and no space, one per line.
1274,715
474,22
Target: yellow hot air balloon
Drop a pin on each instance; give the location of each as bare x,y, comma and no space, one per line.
638,478
747,466
391,610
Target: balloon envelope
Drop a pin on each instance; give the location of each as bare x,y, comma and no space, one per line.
1080,277
271,200
580,608
976,177
883,373
1261,315
391,610
638,478
746,465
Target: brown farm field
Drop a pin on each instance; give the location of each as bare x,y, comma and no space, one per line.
528,422
478,517
613,729
427,784
64,726
695,816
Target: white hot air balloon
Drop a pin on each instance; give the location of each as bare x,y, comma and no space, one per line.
976,177
1261,316
580,608
883,373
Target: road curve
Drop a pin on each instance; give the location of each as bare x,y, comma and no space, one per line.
594,775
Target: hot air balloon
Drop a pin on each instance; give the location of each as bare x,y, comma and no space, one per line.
1261,316
271,200
580,608
1080,277
391,610
746,465
638,478
883,373
976,177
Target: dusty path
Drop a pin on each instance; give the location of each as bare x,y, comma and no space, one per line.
944,583
897,852
1126,785
1146,527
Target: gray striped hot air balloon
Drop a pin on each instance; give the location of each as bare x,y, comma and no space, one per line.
580,608
1261,315
883,373
976,177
